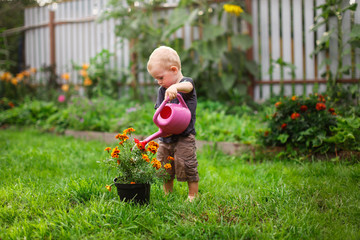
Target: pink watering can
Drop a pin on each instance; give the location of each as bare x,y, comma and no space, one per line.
171,118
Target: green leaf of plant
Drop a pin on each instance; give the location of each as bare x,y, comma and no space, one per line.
228,81
243,41
211,32
179,17
283,137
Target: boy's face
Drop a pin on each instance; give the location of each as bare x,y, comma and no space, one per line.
164,77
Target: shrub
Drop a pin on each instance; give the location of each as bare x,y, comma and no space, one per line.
302,123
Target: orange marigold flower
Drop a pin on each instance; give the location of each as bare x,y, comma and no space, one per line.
139,144
14,81
146,157
132,183
85,66
167,166
170,158
295,115
65,87
118,162
108,188
83,73
331,110
156,164
87,81
153,143
283,126
26,73
294,98
277,104
303,108
107,149
115,152
152,149
11,104
32,70
65,76
129,130
6,76
122,137
320,106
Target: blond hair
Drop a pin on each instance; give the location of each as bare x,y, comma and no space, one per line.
165,56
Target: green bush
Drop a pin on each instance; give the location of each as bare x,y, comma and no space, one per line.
302,123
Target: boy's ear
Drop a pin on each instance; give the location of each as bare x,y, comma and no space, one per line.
174,69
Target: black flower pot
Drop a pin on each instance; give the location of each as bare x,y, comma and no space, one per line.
137,193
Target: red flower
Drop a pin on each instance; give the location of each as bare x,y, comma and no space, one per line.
320,106
283,126
295,115
303,108
331,110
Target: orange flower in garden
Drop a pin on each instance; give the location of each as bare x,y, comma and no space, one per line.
65,76
129,130
107,149
87,81
146,157
65,87
20,76
32,70
283,126
83,73
153,147
294,98
156,164
85,66
169,158
115,152
26,73
14,81
132,183
122,137
138,144
167,166
108,188
266,133
11,104
6,76
295,115
277,104
303,108
153,143
320,106
118,162
321,98
331,110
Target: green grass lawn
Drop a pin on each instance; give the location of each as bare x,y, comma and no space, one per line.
51,187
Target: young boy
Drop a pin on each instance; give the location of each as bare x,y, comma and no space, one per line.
165,66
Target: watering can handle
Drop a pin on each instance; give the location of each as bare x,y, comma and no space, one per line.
181,100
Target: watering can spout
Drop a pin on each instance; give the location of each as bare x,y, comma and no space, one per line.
152,137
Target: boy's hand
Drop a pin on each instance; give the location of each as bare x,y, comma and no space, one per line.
171,92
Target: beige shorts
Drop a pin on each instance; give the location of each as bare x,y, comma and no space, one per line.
184,165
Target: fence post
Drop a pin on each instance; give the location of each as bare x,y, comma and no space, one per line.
249,52
52,80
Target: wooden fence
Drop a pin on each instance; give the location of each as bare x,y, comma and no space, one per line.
280,29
